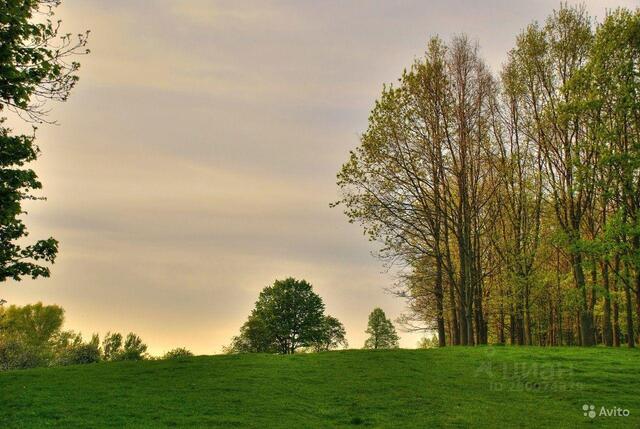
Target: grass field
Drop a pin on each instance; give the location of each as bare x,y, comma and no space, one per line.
482,387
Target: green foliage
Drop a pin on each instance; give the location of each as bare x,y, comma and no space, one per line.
17,354
80,354
113,348
177,353
287,316
333,335
31,336
35,67
35,324
16,185
70,349
134,348
382,333
255,337
28,334
34,56
428,342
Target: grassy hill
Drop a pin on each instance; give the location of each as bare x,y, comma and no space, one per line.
453,387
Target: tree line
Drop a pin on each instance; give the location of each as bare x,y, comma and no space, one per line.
32,336
511,201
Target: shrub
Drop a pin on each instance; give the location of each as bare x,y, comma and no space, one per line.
428,343
70,349
18,354
79,354
177,353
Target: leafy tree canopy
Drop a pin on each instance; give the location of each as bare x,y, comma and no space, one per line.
35,66
288,315
382,333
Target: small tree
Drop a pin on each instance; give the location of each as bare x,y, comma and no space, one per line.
134,348
113,349
382,333
112,346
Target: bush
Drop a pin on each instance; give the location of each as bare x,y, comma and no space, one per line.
79,354
177,353
18,354
428,343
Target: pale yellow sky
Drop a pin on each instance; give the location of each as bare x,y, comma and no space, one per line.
195,162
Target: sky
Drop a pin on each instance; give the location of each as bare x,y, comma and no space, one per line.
195,162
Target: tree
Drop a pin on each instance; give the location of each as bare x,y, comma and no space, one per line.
70,349
333,335
35,324
134,348
35,67
292,313
255,337
613,106
511,203
28,335
288,315
382,333
417,182
549,58
112,346
35,57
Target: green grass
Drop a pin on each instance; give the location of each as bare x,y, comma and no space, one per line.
482,387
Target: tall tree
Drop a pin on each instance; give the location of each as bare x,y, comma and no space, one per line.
417,183
549,57
612,78
511,203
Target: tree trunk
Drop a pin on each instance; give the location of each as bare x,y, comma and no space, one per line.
455,326
627,294
606,326
616,305
586,318
527,317
501,321
442,340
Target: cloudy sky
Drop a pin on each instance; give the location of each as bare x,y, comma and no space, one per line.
196,160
